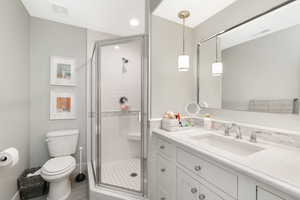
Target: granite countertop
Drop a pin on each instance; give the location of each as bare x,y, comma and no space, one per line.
275,165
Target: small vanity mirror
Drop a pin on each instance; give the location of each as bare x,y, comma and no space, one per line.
254,66
192,108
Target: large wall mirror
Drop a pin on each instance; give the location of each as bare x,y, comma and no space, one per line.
260,64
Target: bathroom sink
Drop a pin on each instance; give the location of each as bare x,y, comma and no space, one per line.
226,144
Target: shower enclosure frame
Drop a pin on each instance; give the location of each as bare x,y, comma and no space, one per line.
144,113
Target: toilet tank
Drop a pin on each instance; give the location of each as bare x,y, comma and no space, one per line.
62,143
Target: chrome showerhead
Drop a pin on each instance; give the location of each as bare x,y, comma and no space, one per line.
125,60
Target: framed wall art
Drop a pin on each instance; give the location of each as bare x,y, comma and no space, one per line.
62,104
62,71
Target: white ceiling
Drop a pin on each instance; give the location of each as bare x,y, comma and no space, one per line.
200,10
110,16
277,20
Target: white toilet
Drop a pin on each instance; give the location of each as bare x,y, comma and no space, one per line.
56,171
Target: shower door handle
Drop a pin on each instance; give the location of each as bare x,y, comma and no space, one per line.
92,114
140,117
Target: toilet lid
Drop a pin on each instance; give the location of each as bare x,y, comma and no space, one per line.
59,164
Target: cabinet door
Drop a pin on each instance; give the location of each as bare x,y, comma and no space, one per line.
265,195
187,188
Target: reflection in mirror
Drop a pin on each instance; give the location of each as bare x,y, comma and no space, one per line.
261,62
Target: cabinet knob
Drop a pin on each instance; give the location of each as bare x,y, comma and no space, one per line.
202,196
162,147
163,170
197,168
194,190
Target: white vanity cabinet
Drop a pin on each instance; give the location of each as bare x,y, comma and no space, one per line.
182,173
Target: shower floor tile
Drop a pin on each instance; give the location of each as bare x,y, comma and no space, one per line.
124,173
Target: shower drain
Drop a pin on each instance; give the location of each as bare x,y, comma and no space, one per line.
133,174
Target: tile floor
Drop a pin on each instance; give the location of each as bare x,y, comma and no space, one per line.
123,173
79,192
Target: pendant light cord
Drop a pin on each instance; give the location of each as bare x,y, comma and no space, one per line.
216,48
183,40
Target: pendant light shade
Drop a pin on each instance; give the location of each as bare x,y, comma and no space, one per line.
183,59
217,67
183,63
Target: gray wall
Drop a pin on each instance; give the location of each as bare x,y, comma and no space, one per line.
171,90
264,68
232,15
14,87
53,39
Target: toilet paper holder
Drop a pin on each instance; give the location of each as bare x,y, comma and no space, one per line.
3,158
9,157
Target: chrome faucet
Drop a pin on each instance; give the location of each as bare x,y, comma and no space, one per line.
253,136
227,129
238,131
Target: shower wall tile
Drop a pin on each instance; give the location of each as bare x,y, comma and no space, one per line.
120,79
115,142
115,82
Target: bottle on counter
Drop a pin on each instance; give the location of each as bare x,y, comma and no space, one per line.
207,122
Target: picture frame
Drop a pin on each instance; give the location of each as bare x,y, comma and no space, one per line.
62,104
62,71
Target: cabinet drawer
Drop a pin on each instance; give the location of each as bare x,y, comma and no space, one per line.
165,148
164,173
217,176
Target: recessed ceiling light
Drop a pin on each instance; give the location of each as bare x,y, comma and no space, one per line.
117,47
134,22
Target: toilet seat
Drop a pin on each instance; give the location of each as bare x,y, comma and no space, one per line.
59,165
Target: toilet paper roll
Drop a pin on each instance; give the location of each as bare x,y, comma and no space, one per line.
9,157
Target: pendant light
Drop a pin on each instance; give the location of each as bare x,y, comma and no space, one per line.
217,67
183,59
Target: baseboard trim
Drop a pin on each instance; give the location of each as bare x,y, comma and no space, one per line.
16,196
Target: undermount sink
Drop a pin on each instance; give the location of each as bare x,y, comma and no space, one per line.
226,144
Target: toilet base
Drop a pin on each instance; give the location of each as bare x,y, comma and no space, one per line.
60,190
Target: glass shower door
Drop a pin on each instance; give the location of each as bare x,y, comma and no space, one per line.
121,79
